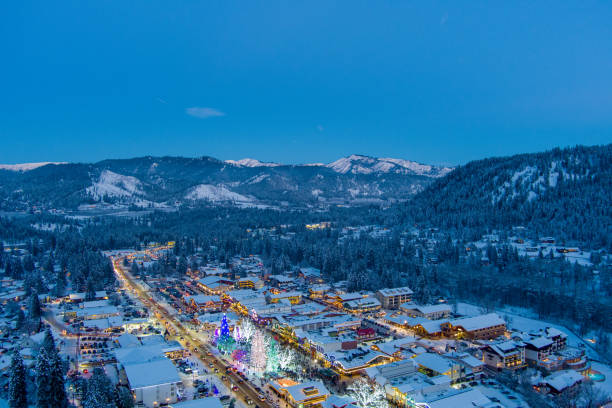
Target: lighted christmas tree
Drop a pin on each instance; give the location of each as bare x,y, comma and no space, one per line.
272,363
247,328
258,353
225,341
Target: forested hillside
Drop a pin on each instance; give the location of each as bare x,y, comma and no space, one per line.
563,192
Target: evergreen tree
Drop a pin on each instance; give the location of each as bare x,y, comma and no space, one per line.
20,319
99,393
17,393
90,294
124,398
58,389
49,343
34,307
43,380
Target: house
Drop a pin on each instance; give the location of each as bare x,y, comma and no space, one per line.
452,398
311,275
473,367
431,312
393,298
81,296
204,303
560,381
362,305
294,297
153,383
207,402
505,355
250,282
308,394
215,285
281,281
482,327
432,365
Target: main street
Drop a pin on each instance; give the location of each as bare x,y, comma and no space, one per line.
188,338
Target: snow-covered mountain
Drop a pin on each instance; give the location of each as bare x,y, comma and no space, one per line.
171,181
26,166
359,164
251,163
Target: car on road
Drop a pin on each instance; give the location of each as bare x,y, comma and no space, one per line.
248,401
262,397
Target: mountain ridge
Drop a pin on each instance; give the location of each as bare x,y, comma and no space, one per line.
150,181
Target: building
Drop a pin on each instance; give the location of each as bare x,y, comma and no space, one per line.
483,327
250,282
505,355
432,365
362,305
560,381
215,285
305,395
393,298
204,303
294,297
153,383
431,312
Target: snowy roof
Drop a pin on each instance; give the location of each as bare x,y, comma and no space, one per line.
307,390
151,373
202,299
335,401
539,342
427,309
209,280
284,295
309,271
433,326
208,402
363,302
462,398
479,322
396,291
563,379
282,278
128,340
434,362
100,310
82,295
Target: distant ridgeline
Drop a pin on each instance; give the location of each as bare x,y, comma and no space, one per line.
566,193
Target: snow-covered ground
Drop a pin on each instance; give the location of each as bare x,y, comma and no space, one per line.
214,193
115,185
606,385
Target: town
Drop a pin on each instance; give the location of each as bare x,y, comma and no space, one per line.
235,333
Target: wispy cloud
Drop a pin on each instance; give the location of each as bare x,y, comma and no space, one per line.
444,19
320,128
203,113
160,100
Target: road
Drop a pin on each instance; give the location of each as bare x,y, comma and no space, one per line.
188,338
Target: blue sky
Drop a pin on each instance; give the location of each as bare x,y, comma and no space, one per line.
307,81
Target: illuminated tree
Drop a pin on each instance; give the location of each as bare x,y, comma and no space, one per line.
239,355
225,341
287,359
258,353
367,395
247,329
272,361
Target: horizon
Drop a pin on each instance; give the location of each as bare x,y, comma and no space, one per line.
450,165
441,84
